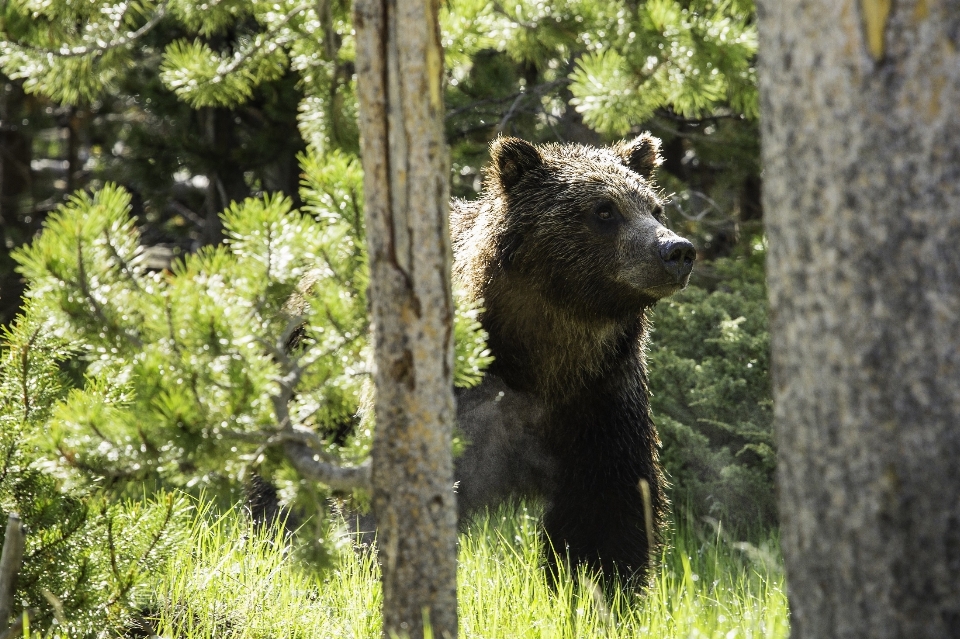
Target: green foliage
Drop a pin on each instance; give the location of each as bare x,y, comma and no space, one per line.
711,395
579,70
239,583
693,57
622,61
470,340
71,51
121,381
202,77
88,561
187,380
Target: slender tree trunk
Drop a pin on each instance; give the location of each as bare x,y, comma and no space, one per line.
73,149
399,68
861,152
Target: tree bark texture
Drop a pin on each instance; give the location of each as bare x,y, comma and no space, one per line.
11,559
399,69
861,153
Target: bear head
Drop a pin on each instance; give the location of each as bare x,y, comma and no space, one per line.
585,226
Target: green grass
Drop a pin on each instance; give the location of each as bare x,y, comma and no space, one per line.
234,583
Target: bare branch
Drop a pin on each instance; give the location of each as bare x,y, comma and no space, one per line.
509,114
529,26
535,90
296,434
307,463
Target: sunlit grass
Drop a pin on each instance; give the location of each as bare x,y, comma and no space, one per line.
235,583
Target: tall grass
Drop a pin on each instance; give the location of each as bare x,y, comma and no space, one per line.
234,582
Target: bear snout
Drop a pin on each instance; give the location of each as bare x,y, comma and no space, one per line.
677,256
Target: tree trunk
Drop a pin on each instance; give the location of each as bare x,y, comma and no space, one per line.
399,68
861,152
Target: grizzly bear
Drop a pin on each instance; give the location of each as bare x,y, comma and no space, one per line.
567,247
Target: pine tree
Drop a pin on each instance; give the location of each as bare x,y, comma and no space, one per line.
865,286
88,559
187,380
411,313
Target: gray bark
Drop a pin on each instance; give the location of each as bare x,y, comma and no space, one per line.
10,560
399,69
861,153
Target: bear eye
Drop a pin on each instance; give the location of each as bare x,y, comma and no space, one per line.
659,215
605,211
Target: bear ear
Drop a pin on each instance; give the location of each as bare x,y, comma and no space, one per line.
641,154
512,159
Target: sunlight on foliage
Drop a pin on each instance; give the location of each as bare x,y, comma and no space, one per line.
621,61
188,378
695,58
89,561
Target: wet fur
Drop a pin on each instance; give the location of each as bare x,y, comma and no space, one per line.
563,414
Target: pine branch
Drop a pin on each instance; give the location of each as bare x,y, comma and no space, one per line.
63,537
303,458
259,42
130,578
112,547
95,305
80,51
296,434
124,265
8,459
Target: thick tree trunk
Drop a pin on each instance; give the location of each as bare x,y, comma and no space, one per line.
399,67
861,152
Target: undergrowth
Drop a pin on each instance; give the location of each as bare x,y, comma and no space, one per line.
235,582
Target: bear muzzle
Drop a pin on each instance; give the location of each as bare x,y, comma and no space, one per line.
677,256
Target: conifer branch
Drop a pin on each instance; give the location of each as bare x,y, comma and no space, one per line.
124,265
130,578
80,51
258,42
64,535
297,443
95,305
112,546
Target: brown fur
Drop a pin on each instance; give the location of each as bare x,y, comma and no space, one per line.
566,247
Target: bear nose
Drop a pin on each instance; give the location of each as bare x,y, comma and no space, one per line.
677,256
